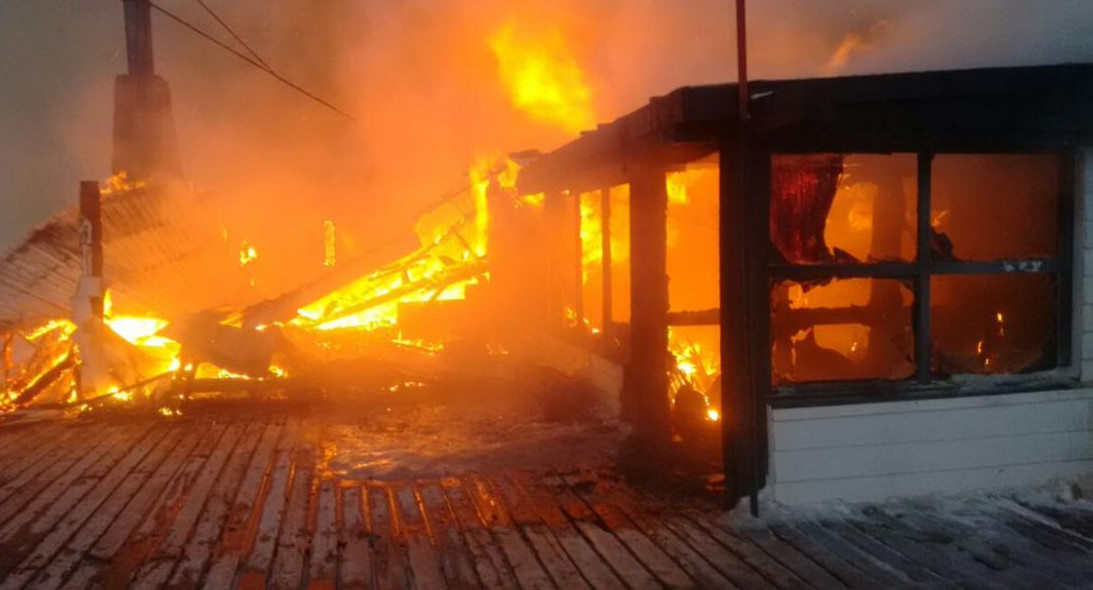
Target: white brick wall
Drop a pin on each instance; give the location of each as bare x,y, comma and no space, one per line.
1083,320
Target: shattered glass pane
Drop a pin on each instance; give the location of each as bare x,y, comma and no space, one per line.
841,330
989,207
843,208
991,324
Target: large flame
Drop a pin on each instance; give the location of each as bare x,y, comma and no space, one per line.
543,77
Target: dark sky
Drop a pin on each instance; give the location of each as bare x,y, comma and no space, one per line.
392,60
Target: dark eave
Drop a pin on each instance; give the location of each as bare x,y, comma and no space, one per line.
1029,108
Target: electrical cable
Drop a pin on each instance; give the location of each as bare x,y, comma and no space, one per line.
250,61
253,53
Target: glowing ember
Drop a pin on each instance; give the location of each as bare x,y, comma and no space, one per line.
543,78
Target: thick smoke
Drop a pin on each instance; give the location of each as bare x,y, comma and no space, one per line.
422,85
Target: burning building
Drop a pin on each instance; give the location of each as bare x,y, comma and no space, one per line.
895,283
867,286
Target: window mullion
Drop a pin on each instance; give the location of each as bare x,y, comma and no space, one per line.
921,316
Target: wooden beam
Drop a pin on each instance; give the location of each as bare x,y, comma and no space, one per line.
605,259
649,303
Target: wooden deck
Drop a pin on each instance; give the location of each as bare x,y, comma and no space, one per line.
244,501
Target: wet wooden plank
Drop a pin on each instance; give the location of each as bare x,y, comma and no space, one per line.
81,527
1074,526
584,557
389,557
55,502
124,555
613,551
456,562
529,572
914,571
423,561
32,442
794,560
114,537
838,565
1064,568
555,560
323,562
932,552
692,523
489,562
256,566
295,537
43,469
157,570
84,578
210,525
243,515
670,560
15,441
863,560
356,562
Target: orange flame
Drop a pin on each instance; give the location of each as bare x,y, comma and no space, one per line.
543,78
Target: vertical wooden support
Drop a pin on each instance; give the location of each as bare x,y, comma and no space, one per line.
578,260
91,238
649,303
745,316
605,249
923,348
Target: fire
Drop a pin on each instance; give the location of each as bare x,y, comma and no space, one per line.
247,253
677,188
65,326
120,183
697,367
543,78
591,235
330,238
454,238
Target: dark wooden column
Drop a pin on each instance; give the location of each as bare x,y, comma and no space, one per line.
649,303
745,316
578,258
605,248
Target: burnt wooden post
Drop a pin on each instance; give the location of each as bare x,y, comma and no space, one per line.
605,258
649,302
91,239
578,260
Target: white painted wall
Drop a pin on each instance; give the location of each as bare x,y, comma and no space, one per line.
870,452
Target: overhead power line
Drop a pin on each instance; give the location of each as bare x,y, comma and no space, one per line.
252,52
253,62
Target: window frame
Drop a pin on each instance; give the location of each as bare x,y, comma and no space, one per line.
918,272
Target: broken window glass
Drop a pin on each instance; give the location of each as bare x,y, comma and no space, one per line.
991,324
988,207
843,208
841,330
